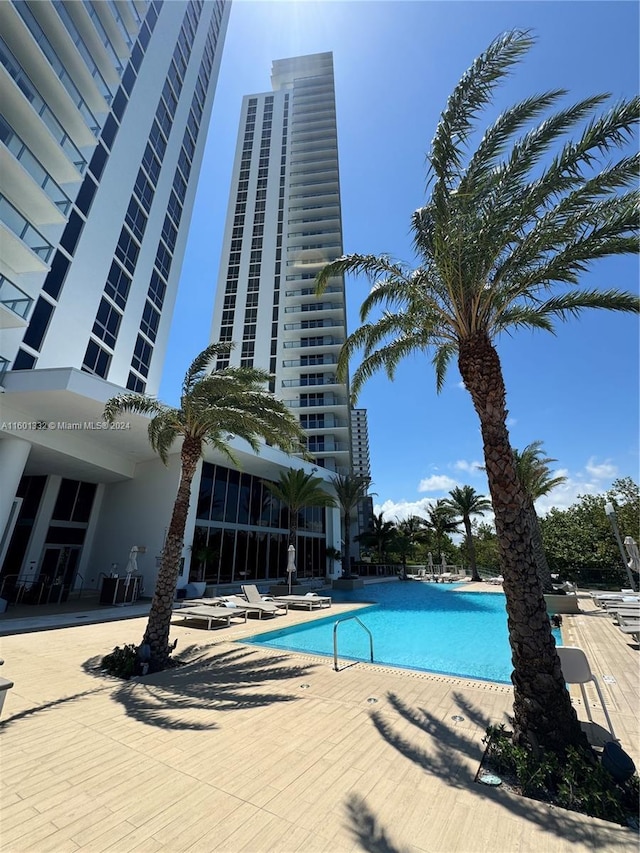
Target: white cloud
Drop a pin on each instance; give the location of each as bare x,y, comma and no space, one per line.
592,480
437,483
469,467
605,471
402,509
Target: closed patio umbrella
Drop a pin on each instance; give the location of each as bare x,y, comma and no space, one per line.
631,547
291,564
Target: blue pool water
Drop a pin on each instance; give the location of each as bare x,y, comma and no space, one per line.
423,626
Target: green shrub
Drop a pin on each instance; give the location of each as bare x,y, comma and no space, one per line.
121,662
577,783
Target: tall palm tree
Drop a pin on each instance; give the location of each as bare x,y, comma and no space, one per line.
503,238
214,406
350,490
409,531
441,520
464,502
297,489
536,479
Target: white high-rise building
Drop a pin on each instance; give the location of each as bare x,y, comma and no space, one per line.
283,225
105,111
106,107
360,443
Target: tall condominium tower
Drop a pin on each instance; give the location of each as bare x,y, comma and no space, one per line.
360,443
105,111
283,225
106,105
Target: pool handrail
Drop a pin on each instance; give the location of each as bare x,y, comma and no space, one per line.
335,638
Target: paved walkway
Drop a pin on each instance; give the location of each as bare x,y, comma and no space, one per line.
247,749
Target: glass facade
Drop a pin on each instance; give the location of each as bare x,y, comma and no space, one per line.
246,530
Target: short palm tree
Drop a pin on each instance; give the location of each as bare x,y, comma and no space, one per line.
537,481
506,232
297,489
464,502
350,490
380,535
214,406
441,521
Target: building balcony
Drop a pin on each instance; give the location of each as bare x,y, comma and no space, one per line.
23,248
319,400
4,366
307,307
327,379
15,305
322,341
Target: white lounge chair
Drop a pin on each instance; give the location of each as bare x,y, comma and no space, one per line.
210,614
262,607
576,670
496,581
311,600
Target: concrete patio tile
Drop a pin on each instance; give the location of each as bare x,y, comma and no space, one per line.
209,758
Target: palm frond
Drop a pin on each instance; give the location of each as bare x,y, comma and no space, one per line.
201,362
472,93
137,404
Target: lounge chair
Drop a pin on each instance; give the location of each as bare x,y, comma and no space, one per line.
576,670
496,581
211,614
271,608
253,594
311,600
630,626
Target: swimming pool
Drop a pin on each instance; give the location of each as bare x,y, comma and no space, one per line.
422,626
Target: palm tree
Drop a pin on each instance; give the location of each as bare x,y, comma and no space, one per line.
441,520
503,238
296,490
350,490
465,502
380,535
214,406
409,531
536,479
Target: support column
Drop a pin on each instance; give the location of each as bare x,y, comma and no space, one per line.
14,453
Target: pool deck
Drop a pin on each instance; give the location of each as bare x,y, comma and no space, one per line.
250,749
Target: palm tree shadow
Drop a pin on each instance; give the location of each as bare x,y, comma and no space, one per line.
47,706
368,832
191,696
446,755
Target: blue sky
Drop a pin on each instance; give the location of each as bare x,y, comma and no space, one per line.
395,65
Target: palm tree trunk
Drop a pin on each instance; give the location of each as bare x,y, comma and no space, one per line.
543,714
346,557
544,572
471,550
156,634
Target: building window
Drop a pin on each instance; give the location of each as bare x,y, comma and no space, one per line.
117,285
107,323
157,289
96,360
142,356
38,324
127,250
135,384
150,321
136,219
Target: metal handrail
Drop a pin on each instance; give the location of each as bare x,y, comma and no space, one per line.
335,638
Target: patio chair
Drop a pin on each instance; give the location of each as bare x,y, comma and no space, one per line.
576,670
630,626
311,600
262,607
210,614
253,594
